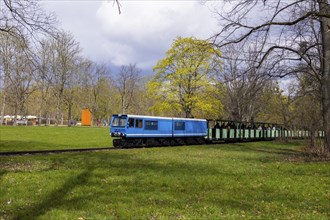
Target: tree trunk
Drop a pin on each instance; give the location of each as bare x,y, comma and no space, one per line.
57,113
6,71
312,138
3,106
15,110
69,114
40,107
325,68
123,110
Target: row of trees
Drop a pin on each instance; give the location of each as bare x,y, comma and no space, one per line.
56,81
191,81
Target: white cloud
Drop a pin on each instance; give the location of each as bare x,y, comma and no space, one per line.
79,18
141,34
146,29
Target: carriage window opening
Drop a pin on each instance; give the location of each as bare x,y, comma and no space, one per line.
138,123
151,125
131,122
119,122
179,126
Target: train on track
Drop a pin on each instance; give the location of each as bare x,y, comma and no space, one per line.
145,131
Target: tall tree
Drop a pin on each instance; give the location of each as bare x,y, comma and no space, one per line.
76,70
185,79
142,103
44,78
17,74
65,52
7,51
126,83
290,33
244,84
97,89
25,22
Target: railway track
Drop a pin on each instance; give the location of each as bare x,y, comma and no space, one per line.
44,152
34,152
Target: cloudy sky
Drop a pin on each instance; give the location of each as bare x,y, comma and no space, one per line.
141,34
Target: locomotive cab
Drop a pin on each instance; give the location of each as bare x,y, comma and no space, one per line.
118,125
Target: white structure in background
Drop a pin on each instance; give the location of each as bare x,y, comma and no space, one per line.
20,120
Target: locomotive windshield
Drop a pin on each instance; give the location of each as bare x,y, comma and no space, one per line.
119,122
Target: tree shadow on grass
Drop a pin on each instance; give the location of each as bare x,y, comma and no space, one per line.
56,198
120,166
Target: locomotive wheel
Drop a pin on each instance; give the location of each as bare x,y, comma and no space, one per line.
126,143
117,143
201,141
156,142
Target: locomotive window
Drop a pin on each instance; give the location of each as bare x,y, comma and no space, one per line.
131,122
179,126
151,125
119,122
138,123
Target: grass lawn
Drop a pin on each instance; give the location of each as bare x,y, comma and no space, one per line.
262,180
20,138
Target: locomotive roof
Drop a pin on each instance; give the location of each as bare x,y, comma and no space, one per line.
157,117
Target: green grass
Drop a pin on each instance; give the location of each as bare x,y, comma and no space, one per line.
20,138
263,180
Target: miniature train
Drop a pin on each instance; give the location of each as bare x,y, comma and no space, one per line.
143,131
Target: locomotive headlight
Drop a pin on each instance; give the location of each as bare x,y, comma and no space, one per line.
117,134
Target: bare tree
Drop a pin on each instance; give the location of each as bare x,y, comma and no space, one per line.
21,78
44,78
7,51
126,82
17,75
23,22
95,86
290,33
65,51
76,69
244,83
25,18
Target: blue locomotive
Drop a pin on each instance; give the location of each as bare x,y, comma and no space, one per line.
139,130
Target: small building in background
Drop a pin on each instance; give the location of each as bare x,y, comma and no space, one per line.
31,119
86,117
